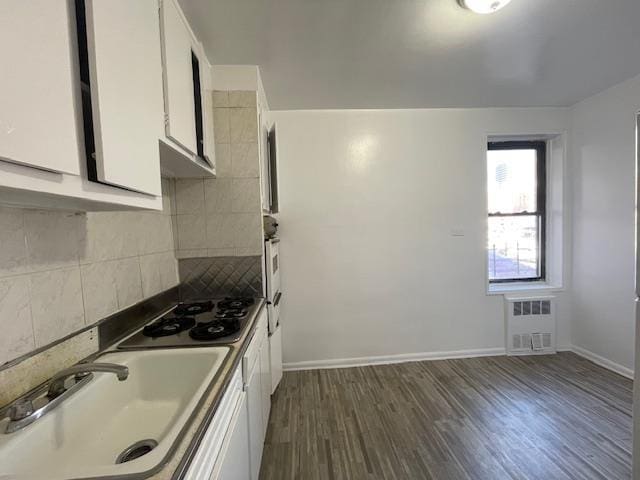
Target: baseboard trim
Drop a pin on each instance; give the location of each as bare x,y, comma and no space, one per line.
603,362
390,359
418,357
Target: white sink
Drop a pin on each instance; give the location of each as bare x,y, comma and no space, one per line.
84,435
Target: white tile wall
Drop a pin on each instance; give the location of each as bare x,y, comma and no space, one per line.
61,271
191,232
243,125
189,196
98,290
13,254
223,216
56,304
242,98
245,195
52,239
244,160
221,125
218,195
224,167
15,317
220,230
220,98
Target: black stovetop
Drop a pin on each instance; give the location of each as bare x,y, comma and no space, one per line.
198,323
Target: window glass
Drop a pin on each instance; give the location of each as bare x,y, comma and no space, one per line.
513,247
512,181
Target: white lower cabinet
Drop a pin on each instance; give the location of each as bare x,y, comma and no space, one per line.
257,372
254,412
265,381
224,434
232,446
275,354
234,464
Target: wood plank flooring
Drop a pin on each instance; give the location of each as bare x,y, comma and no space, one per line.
548,417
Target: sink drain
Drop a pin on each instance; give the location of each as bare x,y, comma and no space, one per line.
136,450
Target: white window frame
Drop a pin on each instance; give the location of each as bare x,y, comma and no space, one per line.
556,218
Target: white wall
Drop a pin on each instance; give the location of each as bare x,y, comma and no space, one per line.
603,173
368,202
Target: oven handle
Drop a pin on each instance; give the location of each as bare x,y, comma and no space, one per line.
277,298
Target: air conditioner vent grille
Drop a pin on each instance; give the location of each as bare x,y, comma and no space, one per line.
536,341
517,342
530,325
545,307
534,307
517,308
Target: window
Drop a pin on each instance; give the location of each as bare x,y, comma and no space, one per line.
516,184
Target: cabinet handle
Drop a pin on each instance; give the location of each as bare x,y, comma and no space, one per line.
276,300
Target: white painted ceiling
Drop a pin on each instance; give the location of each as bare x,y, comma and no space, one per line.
317,54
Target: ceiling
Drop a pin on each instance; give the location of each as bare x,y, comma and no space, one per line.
318,54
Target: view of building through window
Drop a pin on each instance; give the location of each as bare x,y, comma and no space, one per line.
514,241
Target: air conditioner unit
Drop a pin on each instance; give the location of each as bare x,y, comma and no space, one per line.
530,325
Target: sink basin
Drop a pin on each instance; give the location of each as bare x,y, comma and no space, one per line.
84,435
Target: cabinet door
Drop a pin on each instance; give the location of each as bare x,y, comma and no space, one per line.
179,103
275,353
256,428
38,111
126,91
265,382
207,112
235,453
265,185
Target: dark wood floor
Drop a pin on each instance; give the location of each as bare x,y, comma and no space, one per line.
553,417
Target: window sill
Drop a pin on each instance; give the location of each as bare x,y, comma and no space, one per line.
520,287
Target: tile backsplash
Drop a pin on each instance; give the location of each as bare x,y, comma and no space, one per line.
63,271
223,216
214,277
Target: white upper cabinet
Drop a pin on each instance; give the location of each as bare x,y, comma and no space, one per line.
38,114
178,78
206,87
81,107
125,68
97,99
187,149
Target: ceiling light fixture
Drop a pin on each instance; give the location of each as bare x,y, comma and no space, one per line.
483,6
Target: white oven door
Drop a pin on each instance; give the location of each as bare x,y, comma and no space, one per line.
273,308
272,260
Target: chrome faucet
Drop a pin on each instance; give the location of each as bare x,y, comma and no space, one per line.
56,387
30,407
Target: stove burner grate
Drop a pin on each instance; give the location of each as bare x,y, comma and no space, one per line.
231,313
195,308
214,330
235,303
168,326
